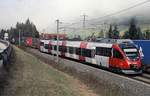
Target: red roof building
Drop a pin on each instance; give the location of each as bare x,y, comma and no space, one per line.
53,36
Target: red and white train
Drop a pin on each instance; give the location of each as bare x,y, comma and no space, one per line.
121,55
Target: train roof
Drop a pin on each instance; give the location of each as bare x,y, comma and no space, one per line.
108,41
101,40
112,41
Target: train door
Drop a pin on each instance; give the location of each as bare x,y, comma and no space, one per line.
83,45
102,56
64,48
116,58
104,61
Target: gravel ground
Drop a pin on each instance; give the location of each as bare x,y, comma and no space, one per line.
30,76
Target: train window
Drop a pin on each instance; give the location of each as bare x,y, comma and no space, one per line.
97,51
59,48
83,52
100,51
46,46
55,47
103,51
71,50
86,52
78,51
117,54
107,52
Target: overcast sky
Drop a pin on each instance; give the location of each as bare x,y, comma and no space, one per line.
43,13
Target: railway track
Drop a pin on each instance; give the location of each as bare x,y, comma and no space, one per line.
145,75
145,78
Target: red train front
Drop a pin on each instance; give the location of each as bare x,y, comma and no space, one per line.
126,58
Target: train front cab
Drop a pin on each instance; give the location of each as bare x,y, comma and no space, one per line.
125,59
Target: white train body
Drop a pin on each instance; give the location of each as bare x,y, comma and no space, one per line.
106,54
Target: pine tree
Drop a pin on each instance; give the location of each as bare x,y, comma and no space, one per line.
28,29
2,33
110,32
115,32
100,34
133,29
147,34
139,33
126,35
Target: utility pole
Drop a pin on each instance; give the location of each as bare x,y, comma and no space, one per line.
84,19
105,29
19,37
57,40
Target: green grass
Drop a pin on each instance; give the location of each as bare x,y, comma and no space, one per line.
31,77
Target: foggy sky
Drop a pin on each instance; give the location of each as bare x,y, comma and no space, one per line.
43,13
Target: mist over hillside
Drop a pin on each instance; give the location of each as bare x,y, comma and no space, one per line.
98,25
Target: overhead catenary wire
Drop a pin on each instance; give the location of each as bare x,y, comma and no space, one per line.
117,12
123,10
108,15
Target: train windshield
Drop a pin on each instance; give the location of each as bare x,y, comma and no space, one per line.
130,51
